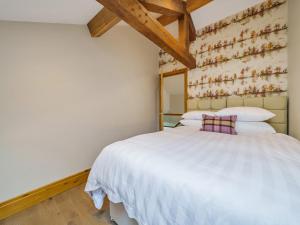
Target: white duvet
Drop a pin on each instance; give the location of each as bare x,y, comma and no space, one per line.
186,177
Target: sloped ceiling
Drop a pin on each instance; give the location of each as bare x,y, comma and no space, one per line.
49,11
219,9
81,11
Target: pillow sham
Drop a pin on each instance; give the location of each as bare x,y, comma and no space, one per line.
247,114
254,128
192,123
219,124
257,128
196,115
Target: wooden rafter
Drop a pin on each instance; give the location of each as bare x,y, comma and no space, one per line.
191,6
166,7
102,22
137,16
192,29
99,25
183,28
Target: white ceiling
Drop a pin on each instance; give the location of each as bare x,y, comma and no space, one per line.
219,9
215,11
81,11
49,11
174,85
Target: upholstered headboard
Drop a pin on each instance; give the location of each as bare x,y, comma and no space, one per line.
277,104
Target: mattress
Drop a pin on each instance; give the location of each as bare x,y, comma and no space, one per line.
183,176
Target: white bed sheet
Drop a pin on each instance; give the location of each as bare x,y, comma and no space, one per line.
186,177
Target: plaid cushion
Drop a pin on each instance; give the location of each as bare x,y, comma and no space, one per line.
219,124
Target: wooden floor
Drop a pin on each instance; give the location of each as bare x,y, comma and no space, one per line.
73,207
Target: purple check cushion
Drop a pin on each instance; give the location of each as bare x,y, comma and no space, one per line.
219,124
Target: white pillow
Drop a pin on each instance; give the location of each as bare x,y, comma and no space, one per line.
247,114
254,128
240,127
196,115
192,123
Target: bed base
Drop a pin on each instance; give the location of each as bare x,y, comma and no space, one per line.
119,215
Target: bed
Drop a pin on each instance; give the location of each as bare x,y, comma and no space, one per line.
182,176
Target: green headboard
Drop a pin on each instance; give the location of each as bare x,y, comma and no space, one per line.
277,104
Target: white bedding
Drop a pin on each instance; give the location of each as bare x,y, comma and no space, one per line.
186,177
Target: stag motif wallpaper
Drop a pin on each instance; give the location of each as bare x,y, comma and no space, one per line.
243,55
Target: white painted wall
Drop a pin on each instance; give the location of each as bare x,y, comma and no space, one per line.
166,101
64,96
294,68
174,94
177,103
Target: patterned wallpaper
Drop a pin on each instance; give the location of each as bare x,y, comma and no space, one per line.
244,54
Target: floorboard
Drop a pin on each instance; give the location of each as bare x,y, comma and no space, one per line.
72,207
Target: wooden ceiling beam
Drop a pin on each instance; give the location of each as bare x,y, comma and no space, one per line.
186,28
183,29
191,5
137,16
165,7
102,22
192,29
99,25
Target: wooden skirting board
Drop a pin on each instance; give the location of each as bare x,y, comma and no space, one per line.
34,197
